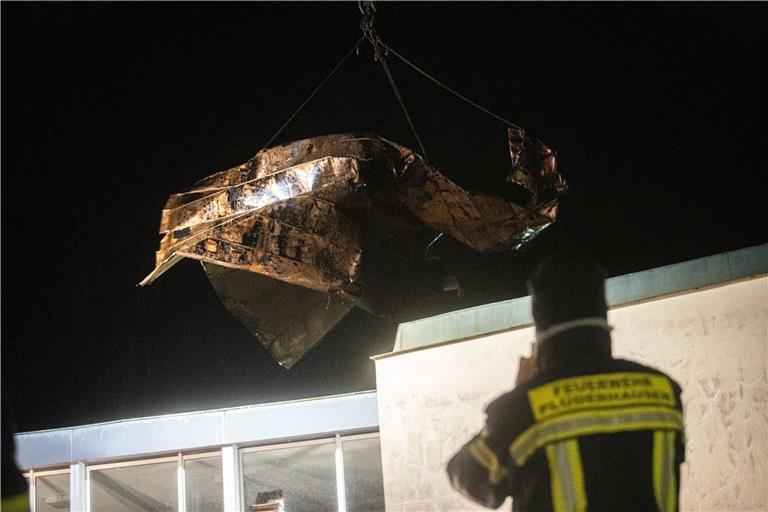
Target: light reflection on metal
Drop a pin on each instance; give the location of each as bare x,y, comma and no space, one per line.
344,216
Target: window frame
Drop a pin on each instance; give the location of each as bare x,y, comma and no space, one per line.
31,474
130,463
182,473
336,440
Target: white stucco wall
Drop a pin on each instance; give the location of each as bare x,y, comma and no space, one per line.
714,342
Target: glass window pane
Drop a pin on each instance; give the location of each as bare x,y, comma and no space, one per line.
203,486
304,476
362,475
52,493
135,488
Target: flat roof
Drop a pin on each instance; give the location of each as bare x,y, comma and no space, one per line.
172,433
620,290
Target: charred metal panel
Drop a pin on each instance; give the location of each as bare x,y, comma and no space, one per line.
534,169
286,319
301,233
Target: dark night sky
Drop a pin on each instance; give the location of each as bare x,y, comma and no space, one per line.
657,111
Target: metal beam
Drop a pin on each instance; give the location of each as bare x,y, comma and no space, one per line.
231,479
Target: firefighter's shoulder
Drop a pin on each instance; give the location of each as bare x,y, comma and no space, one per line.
625,365
510,413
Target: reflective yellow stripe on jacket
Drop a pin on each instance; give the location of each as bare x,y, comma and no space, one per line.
584,423
566,476
664,484
484,456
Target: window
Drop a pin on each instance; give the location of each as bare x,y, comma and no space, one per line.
302,477
203,484
308,476
52,492
362,474
135,487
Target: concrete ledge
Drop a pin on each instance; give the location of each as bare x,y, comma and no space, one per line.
142,437
620,290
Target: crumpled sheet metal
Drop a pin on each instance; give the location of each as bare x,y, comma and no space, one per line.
534,169
304,214
289,319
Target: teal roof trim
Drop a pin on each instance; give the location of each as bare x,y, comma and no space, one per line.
509,314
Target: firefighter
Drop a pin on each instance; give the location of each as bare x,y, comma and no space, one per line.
582,430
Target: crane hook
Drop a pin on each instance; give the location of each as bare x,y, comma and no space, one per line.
366,6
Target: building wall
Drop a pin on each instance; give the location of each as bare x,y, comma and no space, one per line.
714,342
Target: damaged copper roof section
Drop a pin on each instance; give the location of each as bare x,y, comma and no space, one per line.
300,234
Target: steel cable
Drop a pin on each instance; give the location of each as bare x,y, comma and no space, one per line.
441,84
312,95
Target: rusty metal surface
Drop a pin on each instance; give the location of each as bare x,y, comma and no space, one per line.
340,221
286,319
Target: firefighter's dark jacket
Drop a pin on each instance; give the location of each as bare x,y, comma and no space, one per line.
588,432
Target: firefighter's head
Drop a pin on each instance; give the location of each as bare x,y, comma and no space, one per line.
567,288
